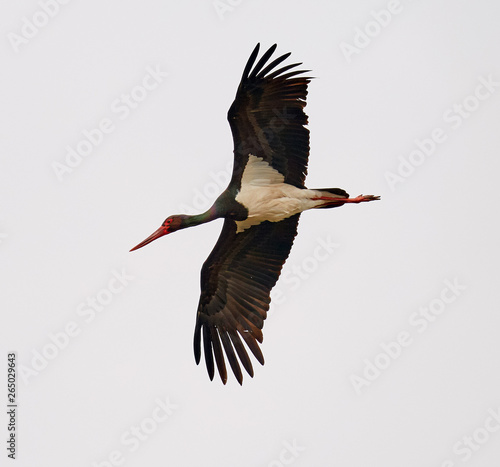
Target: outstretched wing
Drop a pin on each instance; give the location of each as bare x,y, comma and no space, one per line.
267,117
236,280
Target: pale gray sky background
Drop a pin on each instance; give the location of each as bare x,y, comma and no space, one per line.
382,344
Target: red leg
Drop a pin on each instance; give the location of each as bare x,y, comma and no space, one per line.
359,199
332,202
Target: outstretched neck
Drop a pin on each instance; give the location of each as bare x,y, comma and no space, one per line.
197,219
177,222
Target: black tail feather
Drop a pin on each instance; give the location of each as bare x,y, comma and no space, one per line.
335,191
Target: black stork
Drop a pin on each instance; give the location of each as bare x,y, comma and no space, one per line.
261,208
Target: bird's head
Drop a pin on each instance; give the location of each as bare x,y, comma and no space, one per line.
171,224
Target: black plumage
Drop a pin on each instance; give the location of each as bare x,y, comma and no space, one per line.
267,119
261,207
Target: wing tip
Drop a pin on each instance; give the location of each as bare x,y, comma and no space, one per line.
258,71
197,343
250,62
214,355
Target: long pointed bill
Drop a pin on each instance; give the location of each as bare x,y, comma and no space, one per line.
159,233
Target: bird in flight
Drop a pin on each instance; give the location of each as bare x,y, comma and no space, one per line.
261,208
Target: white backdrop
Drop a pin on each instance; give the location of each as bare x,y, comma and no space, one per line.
382,343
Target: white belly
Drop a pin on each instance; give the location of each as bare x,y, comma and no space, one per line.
266,196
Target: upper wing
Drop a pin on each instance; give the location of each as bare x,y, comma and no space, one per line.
267,118
236,280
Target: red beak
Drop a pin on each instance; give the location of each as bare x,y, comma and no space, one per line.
159,233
